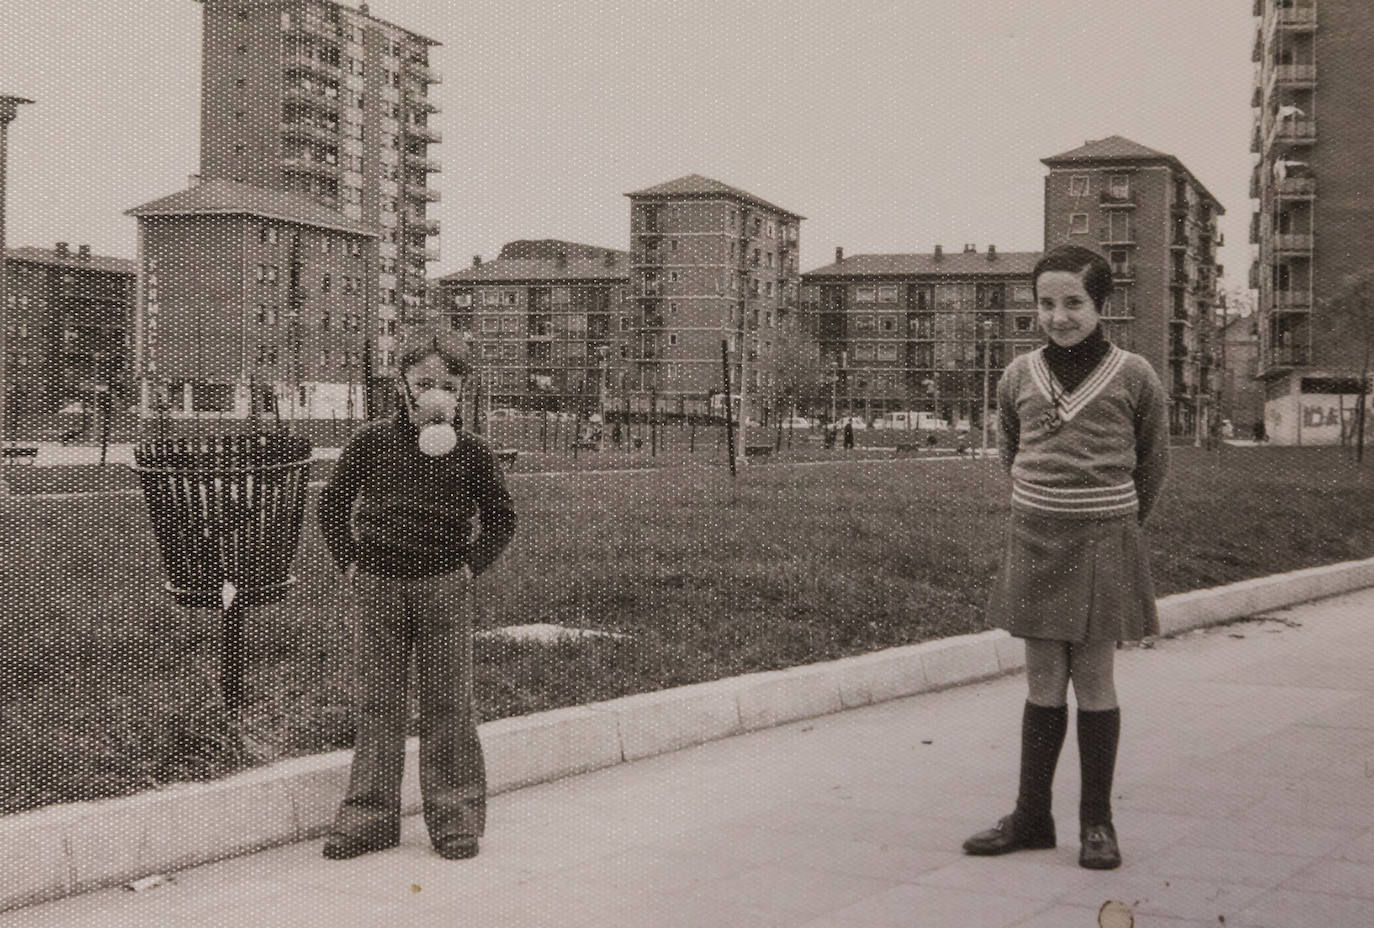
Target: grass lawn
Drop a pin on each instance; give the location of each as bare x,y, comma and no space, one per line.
108,688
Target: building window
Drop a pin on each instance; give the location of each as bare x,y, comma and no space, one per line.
1119,186
1078,223
624,323
325,283
887,294
672,338
1078,185
865,295
887,323
1025,323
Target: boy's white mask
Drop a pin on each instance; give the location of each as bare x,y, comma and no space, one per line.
434,412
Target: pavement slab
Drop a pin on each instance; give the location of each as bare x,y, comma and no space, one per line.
1244,793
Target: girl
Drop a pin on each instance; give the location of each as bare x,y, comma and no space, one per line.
1085,437
396,515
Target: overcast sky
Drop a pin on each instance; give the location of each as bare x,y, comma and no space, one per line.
891,126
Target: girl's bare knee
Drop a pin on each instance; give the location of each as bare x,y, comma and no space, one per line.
1047,671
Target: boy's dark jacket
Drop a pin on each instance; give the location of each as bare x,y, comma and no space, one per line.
414,513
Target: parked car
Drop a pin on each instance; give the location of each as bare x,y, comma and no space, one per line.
797,422
913,419
503,413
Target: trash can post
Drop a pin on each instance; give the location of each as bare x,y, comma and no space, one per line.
227,513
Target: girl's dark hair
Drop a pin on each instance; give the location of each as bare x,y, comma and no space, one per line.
451,350
1096,272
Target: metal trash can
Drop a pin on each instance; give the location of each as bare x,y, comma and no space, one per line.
227,513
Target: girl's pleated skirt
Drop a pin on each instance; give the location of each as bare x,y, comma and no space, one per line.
1074,580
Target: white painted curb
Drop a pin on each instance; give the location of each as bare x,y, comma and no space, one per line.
62,850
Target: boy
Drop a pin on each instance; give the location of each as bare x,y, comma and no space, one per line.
409,556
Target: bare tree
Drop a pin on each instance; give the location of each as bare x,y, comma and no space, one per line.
1349,320
800,374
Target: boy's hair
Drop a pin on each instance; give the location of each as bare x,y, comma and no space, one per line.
1096,272
450,349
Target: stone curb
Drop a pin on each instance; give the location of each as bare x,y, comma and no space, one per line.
67,849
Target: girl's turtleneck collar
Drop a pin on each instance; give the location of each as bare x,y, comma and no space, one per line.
1071,364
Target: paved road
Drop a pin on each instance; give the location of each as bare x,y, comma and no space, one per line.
1245,792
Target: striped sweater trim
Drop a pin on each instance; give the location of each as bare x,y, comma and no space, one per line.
1087,501
1071,403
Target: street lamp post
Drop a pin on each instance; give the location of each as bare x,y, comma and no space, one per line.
9,108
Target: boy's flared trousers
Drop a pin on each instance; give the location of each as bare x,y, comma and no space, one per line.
431,619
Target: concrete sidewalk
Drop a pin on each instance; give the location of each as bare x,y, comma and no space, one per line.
1245,792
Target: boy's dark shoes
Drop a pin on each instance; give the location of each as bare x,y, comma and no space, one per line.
456,847
1006,836
339,846
1099,850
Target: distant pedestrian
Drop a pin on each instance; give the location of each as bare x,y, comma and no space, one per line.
1085,437
396,516
848,434
615,434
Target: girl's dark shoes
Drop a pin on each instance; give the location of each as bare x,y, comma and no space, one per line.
1007,836
456,847
1099,850
339,846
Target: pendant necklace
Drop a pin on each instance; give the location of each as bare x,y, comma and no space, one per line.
1052,420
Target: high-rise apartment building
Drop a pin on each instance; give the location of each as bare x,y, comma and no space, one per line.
550,322
67,329
315,97
1314,223
250,301
1157,225
709,262
917,331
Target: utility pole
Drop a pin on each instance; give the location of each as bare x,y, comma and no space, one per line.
9,108
987,364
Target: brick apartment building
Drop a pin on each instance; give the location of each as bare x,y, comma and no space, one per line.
317,98
918,331
1157,224
709,262
68,321
549,320
1314,219
250,300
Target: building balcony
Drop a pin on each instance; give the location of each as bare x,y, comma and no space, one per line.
1296,76
1255,190
1293,132
1292,243
308,130
425,133
1286,357
1256,141
423,71
423,194
1296,18
303,64
1296,188
1123,273
310,98
1257,47
420,102
418,224
430,254
422,163
1108,199
1292,301
310,166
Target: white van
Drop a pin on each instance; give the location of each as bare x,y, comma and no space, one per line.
912,419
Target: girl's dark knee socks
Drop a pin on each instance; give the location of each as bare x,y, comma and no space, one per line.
1098,734
1042,736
